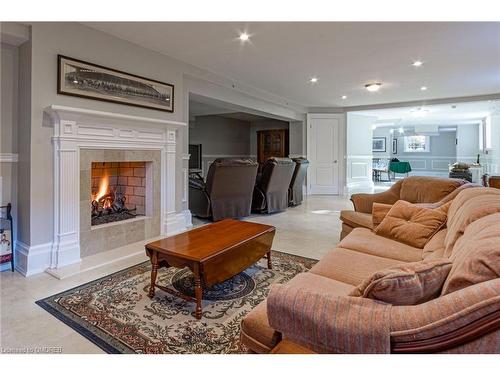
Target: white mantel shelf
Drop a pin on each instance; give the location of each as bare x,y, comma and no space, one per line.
55,112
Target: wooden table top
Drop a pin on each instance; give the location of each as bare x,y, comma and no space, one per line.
209,240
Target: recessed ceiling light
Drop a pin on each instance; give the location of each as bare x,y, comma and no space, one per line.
417,63
372,87
313,79
344,96
423,88
244,37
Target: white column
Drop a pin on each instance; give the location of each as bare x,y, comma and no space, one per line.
66,245
170,224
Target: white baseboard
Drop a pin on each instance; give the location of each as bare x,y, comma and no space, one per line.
31,260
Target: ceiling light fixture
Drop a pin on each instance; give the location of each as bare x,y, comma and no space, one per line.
373,87
401,131
313,79
244,37
423,88
417,63
344,97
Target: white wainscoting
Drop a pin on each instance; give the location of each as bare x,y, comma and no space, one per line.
359,174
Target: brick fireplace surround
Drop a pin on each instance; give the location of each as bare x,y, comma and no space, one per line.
129,178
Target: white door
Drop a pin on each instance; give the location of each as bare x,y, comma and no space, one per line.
323,155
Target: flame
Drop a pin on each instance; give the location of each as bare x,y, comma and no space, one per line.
103,188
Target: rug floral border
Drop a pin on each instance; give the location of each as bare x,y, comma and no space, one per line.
100,338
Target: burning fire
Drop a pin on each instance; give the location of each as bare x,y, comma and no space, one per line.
103,189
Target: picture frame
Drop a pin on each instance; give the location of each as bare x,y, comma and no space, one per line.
395,146
379,144
87,80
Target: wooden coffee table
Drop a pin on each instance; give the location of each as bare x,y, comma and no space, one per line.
214,253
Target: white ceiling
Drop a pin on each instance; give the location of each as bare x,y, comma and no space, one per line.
460,59
440,114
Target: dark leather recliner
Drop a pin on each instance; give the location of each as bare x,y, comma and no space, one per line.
271,189
295,193
227,192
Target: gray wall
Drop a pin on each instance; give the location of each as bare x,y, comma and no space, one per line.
80,42
9,73
220,135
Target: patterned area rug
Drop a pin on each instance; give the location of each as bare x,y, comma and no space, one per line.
115,313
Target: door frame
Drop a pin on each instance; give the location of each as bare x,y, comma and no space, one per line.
341,144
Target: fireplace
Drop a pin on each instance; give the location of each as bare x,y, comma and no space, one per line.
118,191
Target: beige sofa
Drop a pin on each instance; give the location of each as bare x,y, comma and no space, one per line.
314,310
414,189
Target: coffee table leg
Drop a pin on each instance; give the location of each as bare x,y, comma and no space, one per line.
154,272
269,263
198,291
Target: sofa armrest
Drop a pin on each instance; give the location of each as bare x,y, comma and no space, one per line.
326,323
364,202
448,321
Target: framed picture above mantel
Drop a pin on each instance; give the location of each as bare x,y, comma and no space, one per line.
87,80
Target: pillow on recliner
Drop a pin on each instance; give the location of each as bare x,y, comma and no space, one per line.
406,284
410,224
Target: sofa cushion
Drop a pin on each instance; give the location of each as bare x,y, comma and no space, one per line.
349,266
379,212
365,241
476,255
435,247
423,189
410,224
406,284
469,206
356,219
257,334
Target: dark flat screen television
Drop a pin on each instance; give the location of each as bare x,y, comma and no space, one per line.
195,158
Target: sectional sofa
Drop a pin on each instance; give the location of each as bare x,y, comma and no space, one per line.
316,311
428,191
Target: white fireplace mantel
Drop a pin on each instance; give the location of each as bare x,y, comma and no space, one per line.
78,128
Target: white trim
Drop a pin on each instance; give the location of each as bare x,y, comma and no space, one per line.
9,158
31,260
80,113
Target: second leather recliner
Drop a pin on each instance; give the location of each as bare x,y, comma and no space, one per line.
271,189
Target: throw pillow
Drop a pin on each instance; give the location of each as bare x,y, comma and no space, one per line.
476,255
379,212
406,284
410,224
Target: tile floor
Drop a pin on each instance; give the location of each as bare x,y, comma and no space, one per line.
310,230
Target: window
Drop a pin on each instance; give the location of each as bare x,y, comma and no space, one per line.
417,143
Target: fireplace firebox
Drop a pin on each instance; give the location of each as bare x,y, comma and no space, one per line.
118,191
